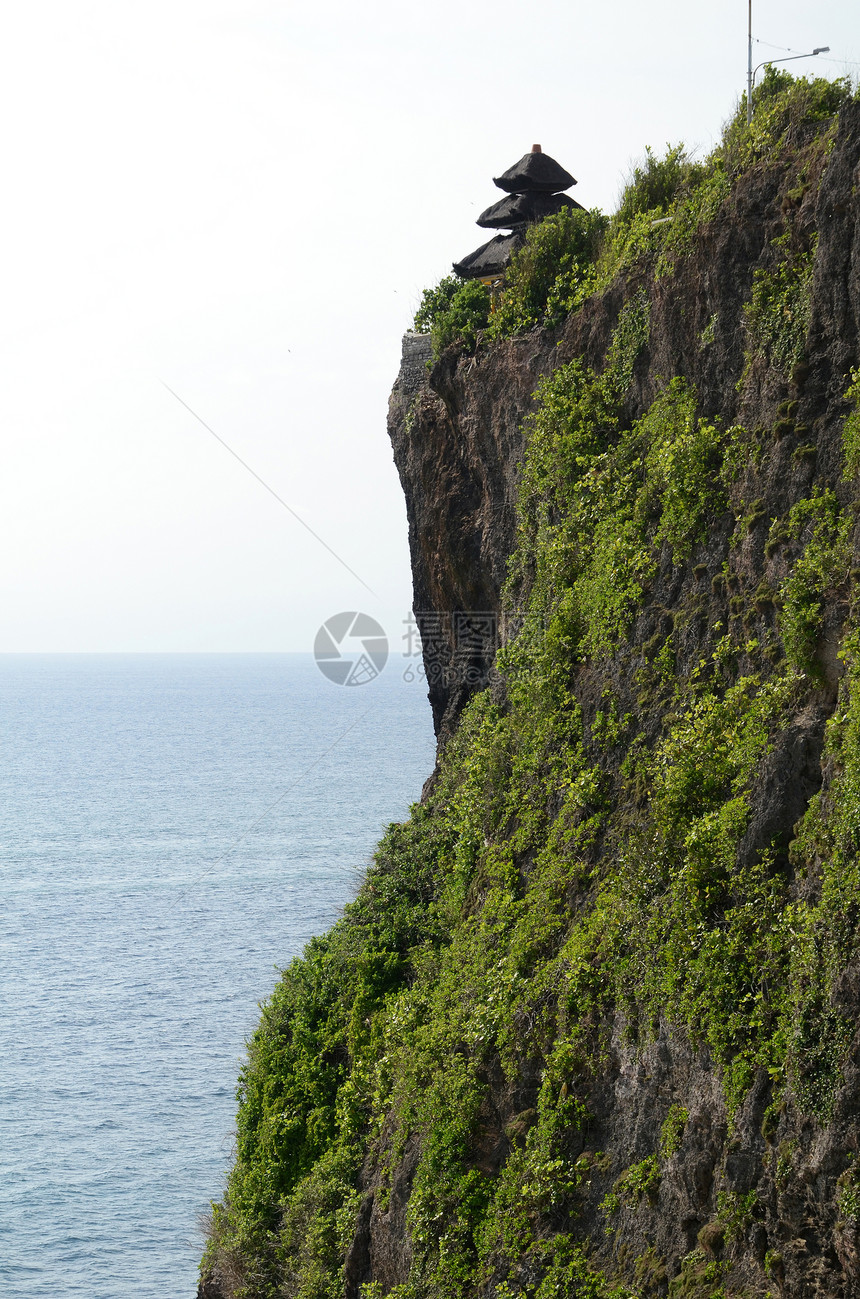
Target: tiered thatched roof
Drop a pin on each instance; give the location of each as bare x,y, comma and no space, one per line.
537,172
490,259
519,209
533,188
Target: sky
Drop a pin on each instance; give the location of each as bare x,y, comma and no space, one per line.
234,208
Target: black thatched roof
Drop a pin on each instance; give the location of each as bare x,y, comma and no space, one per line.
517,209
490,259
537,172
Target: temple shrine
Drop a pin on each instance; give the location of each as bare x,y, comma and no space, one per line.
533,190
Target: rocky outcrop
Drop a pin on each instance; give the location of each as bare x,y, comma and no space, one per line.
458,434
457,428
667,1182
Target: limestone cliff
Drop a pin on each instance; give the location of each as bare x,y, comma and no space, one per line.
457,427
591,1026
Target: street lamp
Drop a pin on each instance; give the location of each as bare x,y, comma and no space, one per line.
751,71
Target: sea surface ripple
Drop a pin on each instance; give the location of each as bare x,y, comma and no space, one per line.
150,893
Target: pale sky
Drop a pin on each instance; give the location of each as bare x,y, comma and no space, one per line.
244,202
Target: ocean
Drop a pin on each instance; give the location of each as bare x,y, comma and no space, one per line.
174,828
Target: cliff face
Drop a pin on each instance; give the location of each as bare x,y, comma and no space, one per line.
459,441
591,1026
458,430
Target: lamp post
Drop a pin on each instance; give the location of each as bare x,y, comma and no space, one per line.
749,66
751,71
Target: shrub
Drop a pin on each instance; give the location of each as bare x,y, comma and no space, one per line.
657,209
821,569
848,1194
640,1182
655,182
552,273
683,460
683,195
454,312
780,102
777,315
851,428
434,303
672,1131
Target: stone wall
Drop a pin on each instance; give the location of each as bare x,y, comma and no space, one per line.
417,351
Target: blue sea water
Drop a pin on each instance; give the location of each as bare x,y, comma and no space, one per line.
172,829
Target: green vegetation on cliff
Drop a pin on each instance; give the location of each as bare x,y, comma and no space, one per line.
666,201
597,866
